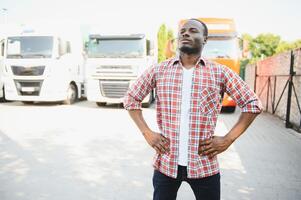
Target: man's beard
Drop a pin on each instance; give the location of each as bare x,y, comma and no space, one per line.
190,50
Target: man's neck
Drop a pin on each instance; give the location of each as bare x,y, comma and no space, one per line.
189,61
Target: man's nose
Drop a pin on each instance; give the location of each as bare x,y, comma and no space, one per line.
185,34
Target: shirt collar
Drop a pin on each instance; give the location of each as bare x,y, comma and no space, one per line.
201,60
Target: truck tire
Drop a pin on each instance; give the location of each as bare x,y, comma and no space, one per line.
28,102
71,95
229,109
101,104
2,99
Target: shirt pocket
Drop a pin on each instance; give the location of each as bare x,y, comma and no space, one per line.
209,101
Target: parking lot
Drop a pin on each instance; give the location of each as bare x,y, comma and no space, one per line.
82,151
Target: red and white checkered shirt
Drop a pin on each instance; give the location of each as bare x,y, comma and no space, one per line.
209,80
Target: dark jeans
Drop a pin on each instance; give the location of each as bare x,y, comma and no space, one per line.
166,188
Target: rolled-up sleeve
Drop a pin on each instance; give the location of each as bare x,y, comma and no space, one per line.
235,87
140,89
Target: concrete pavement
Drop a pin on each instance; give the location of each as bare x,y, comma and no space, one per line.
264,163
55,152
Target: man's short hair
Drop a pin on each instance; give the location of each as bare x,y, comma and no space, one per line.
204,25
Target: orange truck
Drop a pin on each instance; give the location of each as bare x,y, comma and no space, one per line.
222,46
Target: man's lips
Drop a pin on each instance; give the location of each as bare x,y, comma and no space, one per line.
185,41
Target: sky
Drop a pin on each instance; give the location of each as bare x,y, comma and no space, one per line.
251,16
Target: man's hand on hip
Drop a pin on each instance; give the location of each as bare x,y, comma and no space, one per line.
158,142
213,146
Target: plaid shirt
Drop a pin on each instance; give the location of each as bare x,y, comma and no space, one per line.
209,81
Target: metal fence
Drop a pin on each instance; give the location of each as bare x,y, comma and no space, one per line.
275,89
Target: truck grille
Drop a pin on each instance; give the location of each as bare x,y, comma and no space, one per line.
114,70
28,71
114,89
28,88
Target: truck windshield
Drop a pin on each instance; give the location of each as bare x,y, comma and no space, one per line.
221,48
116,48
29,47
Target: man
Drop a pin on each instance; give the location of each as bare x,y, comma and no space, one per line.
188,101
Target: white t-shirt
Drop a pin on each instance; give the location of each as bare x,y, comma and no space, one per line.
185,116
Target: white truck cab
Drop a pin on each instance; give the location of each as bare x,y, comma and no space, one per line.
113,63
42,66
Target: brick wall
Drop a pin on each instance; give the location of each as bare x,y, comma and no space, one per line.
271,80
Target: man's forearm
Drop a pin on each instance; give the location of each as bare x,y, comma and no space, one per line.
242,124
213,146
137,117
155,140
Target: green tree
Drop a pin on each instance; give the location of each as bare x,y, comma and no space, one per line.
297,44
244,37
170,34
164,35
162,40
264,45
286,46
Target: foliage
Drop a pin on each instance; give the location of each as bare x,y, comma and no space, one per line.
164,35
162,40
286,46
264,45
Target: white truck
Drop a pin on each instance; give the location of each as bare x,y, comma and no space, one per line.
114,62
42,67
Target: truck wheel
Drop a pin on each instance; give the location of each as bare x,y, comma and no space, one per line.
100,104
2,99
71,95
28,102
230,109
